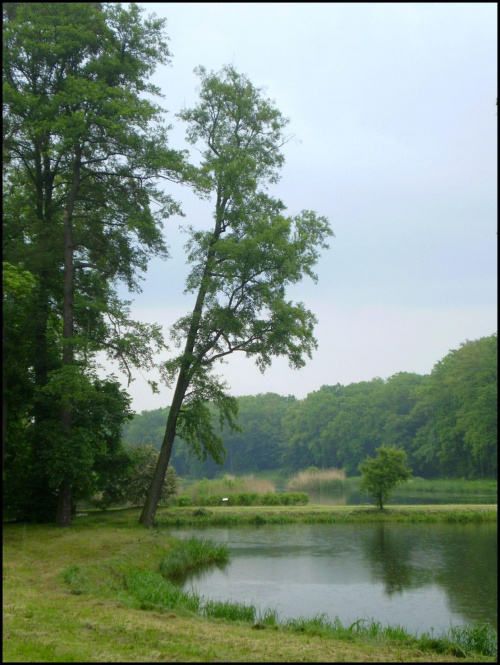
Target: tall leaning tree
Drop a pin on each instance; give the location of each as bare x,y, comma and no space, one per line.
84,155
241,265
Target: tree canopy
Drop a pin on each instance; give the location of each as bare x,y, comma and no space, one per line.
241,266
85,149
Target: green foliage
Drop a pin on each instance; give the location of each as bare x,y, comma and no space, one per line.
242,266
384,473
131,486
82,142
152,591
460,402
245,499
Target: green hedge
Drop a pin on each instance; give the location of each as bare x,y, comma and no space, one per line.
245,499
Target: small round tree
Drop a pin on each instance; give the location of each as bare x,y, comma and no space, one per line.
381,474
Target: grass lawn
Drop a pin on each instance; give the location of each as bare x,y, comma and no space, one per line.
66,600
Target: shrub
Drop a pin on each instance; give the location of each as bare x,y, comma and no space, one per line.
270,499
133,484
246,499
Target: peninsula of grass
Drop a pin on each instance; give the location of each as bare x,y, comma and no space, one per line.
96,592
320,514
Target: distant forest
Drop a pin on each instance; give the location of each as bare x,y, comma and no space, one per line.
445,421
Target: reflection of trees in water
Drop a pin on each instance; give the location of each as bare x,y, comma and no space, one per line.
389,552
460,559
469,572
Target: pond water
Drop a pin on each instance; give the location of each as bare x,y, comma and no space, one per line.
418,576
401,499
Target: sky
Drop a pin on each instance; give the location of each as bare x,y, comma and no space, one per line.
392,107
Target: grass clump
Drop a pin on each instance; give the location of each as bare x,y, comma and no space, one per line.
228,610
191,554
478,639
316,480
152,591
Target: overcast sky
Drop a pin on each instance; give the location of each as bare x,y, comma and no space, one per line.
394,107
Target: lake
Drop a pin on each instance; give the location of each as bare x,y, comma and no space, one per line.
422,577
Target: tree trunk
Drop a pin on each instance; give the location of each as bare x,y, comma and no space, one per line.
64,505
63,516
153,497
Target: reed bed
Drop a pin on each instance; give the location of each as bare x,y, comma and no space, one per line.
226,486
316,480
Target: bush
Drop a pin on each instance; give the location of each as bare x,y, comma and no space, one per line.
182,500
270,499
246,499
133,484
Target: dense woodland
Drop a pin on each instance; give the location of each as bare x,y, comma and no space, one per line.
446,422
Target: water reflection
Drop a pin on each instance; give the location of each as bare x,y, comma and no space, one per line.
418,576
389,554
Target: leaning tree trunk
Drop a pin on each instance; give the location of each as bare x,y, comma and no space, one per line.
153,497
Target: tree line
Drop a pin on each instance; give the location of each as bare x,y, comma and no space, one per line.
446,422
88,180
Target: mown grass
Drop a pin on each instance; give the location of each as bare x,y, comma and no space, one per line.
320,514
453,486
80,595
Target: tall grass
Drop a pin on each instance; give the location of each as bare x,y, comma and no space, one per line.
193,553
316,480
227,485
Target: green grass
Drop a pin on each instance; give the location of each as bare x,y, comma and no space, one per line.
454,486
94,593
320,514
193,553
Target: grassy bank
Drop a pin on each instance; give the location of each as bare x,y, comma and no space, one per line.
319,514
96,593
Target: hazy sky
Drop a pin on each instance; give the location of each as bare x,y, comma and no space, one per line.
394,107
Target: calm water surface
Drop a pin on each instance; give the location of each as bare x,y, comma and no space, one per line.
418,576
